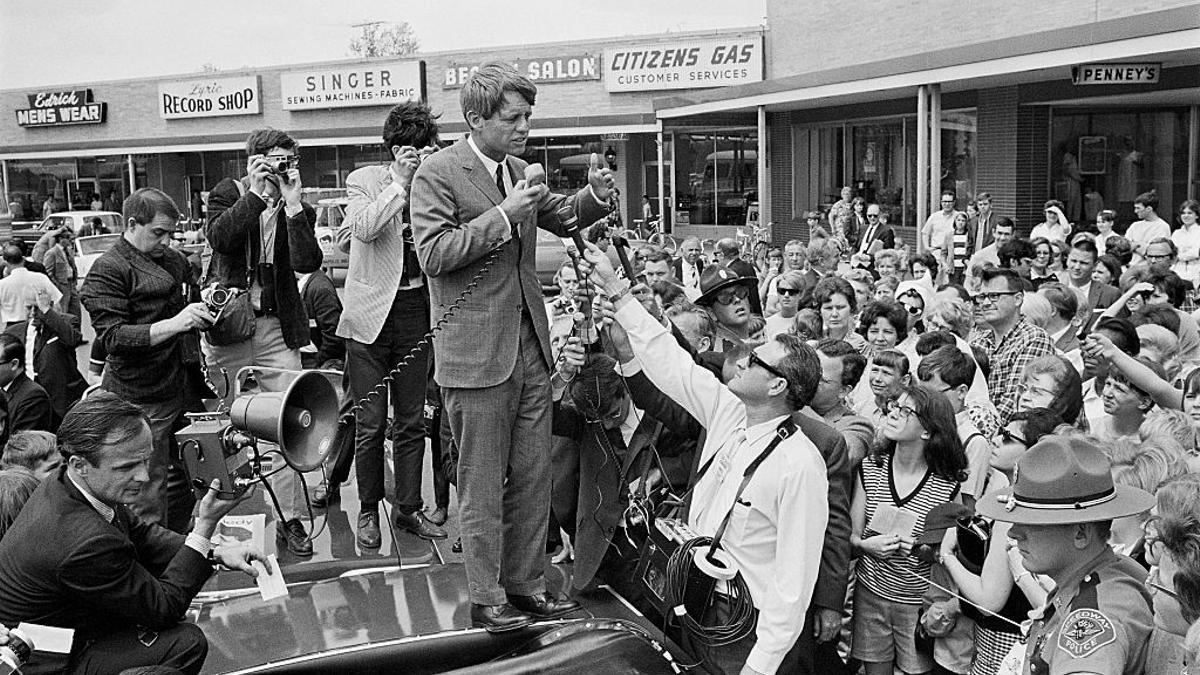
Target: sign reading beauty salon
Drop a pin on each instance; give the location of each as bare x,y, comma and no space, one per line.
541,70
365,84
209,97
685,64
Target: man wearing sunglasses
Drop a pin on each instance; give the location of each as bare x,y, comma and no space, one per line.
1018,342
731,299
777,556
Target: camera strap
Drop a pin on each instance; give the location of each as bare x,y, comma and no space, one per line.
785,429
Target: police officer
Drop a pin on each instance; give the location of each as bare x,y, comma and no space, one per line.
1062,504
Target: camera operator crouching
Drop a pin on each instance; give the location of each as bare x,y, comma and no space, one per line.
261,233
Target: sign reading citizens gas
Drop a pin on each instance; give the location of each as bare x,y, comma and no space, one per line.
365,84
541,70
209,97
60,108
686,64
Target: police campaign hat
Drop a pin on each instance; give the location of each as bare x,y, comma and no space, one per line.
715,278
1063,480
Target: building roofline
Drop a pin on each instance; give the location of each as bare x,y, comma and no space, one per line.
1110,30
574,45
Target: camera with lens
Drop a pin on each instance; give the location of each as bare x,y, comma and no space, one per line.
280,166
217,298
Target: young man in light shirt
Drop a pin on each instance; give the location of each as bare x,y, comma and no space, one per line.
1148,226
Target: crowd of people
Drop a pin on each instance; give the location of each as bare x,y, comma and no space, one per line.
973,452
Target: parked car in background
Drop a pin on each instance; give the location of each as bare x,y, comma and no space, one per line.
552,253
87,249
330,214
76,220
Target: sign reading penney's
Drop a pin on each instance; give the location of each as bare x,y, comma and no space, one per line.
352,86
209,97
60,108
684,64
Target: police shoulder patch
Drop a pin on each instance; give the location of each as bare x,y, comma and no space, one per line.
1084,632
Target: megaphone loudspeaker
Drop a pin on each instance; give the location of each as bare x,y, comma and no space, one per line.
301,420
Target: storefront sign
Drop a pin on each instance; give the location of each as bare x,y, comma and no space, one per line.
209,97
354,86
60,108
686,64
1116,73
541,70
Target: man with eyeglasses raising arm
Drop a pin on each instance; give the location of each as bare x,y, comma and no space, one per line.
1017,341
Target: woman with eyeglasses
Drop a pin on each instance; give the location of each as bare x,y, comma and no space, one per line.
836,299
1039,269
1051,382
917,464
1173,547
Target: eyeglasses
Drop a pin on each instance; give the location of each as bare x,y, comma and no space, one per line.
754,360
1010,437
1158,258
991,298
729,296
913,309
872,215
894,409
788,291
1041,254
1023,389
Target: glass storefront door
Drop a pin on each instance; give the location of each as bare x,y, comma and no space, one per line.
716,174
879,167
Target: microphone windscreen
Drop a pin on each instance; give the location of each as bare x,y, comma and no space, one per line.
535,174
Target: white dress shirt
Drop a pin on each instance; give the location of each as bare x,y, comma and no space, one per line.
194,541
19,290
1187,240
776,541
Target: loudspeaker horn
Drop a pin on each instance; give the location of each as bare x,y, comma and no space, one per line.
301,420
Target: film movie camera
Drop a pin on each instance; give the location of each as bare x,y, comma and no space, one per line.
217,298
301,420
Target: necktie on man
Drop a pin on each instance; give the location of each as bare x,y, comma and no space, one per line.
516,227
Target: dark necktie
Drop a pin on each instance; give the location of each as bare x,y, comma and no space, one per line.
516,234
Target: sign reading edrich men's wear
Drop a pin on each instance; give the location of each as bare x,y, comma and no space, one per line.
541,70
684,64
352,86
209,97
60,108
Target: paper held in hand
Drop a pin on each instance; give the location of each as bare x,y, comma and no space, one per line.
889,519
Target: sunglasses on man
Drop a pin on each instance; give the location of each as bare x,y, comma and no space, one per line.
729,296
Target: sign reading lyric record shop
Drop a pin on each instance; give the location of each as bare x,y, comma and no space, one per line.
684,64
364,84
209,97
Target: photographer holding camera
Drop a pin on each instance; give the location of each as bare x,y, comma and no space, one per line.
261,233
137,295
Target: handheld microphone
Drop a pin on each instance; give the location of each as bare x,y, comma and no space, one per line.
535,174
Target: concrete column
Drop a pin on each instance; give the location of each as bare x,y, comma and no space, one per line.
132,174
922,162
764,171
4,173
935,144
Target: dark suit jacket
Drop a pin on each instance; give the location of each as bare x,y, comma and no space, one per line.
975,224
885,235
743,268
91,575
324,310
29,406
1102,296
455,226
677,267
234,217
601,493
54,363
830,591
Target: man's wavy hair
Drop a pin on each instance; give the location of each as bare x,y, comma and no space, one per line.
96,422
484,90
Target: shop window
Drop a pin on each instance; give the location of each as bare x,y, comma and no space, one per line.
32,181
958,155
1104,160
351,157
878,159
716,175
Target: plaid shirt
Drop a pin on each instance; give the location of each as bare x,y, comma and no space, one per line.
1024,343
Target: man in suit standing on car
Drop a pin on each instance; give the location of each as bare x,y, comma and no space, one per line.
475,208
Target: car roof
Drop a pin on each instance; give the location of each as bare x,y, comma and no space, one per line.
85,214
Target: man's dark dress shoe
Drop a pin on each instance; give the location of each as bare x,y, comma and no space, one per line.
325,494
498,618
368,529
293,533
418,524
543,606
438,516
456,547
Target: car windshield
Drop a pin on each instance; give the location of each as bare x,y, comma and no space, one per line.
97,244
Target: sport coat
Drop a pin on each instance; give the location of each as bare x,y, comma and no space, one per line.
29,406
374,228
233,218
92,575
54,363
456,225
1102,296
677,268
978,226
885,235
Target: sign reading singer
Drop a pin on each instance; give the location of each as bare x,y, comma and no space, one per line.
686,64
352,86
209,97
60,108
